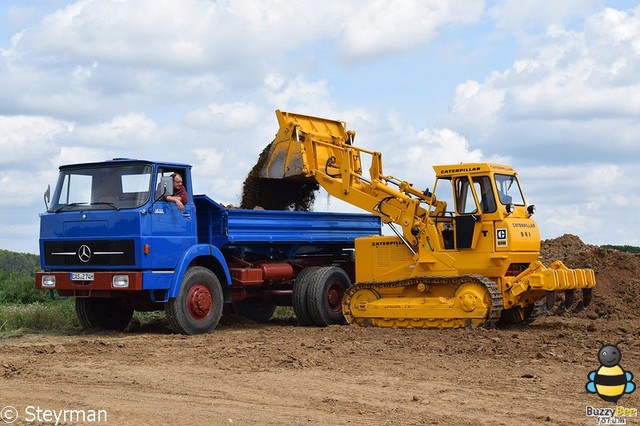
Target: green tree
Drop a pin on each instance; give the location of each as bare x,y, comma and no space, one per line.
17,274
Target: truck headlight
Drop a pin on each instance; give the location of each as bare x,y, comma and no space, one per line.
48,281
120,281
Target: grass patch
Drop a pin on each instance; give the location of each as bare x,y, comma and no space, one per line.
284,312
59,316
37,317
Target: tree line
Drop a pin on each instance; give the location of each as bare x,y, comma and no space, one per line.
19,263
17,272
627,249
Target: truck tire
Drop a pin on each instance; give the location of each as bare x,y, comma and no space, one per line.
198,307
255,308
324,296
106,313
299,297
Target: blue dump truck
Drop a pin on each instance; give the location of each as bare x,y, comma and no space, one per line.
110,239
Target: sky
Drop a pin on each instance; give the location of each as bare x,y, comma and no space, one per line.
551,88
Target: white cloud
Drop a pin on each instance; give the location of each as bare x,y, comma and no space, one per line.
578,77
519,15
133,129
197,33
25,139
225,117
384,26
297,94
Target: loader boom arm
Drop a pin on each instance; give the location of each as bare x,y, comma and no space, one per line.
323,149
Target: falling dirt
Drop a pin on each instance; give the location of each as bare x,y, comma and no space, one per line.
279,373
276,194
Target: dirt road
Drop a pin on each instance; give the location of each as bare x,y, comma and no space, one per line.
247,373
279,373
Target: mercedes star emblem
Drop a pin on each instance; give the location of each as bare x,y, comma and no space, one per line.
84,253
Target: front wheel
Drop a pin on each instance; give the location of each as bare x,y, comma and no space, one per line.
198,307
107,313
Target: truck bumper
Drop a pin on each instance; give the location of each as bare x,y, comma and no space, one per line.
89,284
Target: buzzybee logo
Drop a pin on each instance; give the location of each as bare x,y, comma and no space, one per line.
610,381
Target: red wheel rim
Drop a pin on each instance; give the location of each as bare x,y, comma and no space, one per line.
335,292
199,301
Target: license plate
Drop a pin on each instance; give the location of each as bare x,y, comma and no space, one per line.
82,276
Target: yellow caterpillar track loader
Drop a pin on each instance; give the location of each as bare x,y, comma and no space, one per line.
465,254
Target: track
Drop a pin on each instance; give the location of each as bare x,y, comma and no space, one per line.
406,309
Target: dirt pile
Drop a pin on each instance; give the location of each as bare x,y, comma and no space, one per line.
276,194
617,275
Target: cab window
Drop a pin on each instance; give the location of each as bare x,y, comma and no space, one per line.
481,185
509,190
168,173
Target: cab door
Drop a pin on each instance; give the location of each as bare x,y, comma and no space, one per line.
173,230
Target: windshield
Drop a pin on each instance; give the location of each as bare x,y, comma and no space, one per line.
509,190
114,187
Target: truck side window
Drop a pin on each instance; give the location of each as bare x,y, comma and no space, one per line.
167,174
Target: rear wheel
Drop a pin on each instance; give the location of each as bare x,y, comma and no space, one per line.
299,297
198,307
255,308
324,296
107,313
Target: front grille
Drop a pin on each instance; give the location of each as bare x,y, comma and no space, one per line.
89,253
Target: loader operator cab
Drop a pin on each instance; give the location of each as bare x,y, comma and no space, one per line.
469,195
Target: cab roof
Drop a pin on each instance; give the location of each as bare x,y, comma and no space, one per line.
472,169
124,162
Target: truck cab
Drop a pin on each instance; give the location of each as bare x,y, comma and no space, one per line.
116,212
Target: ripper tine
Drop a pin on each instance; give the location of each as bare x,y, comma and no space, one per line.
569,298
587,296
551,300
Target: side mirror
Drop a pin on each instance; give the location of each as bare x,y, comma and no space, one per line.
531,209
166,187
47,196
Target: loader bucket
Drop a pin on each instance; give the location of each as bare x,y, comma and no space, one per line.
283,160
303,144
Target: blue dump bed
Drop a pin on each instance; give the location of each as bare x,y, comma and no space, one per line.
229,228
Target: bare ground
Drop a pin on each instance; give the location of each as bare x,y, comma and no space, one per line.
284,374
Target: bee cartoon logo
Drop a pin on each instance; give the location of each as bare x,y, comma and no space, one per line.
610,381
